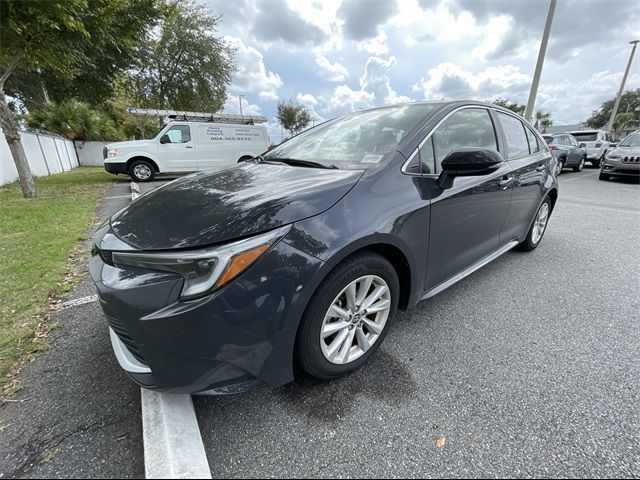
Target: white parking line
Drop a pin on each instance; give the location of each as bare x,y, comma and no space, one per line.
173,445
76,302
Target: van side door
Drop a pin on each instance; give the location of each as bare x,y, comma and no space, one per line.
176,151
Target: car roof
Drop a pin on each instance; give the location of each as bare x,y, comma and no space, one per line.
442,104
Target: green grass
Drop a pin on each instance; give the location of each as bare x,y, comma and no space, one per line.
37,238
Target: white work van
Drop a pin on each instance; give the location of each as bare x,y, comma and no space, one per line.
189,146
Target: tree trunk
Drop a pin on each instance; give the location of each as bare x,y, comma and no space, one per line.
10,129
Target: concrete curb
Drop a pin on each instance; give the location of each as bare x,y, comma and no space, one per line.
173,445
135,191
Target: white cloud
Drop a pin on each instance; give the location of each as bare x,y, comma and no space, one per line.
252,77
232,106
307,99
450,81
376,45
334,72
375,89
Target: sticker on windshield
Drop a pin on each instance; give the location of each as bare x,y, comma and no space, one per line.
372,159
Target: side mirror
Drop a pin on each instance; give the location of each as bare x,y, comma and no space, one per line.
467,162
583,145
165,139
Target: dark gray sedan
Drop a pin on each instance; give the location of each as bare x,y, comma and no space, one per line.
222,281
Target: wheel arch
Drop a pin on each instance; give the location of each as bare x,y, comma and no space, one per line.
142,157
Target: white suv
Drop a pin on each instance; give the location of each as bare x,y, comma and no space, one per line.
596,142
186,147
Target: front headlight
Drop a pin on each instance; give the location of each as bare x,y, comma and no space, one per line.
613,156
206,269
112,153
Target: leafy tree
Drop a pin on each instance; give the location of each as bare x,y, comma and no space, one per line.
115,28
75,120
293,117
628,112
514,107
129,126
183,65
55,36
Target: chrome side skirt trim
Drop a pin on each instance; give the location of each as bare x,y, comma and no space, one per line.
126,360
469,270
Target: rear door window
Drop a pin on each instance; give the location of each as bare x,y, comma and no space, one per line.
427,158
533,141
514,130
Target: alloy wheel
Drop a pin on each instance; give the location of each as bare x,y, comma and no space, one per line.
355,320
540,223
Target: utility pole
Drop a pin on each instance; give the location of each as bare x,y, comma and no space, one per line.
240,99
614,112
528,114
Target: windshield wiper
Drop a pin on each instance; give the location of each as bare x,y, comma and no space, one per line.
302,163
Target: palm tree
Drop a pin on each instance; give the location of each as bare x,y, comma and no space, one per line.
543,120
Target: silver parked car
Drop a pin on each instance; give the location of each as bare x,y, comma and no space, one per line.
624,159
596,142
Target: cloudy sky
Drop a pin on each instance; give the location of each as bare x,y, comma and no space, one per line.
337,56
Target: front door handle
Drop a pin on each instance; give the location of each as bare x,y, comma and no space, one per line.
188,146
506,181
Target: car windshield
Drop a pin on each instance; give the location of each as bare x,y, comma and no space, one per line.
356,141
586,137
632,140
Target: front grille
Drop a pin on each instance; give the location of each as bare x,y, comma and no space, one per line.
105,255
631,160
123,335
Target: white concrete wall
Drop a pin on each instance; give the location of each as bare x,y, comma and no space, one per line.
46,154
90,153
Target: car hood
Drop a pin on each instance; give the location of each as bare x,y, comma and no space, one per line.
627,151
224,205
130,144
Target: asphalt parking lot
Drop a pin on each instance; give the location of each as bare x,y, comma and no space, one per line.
529,367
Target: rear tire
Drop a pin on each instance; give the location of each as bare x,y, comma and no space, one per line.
142,171
314,346
560,166
534,236
580,166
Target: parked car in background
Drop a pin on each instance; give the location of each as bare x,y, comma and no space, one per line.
596,142
567,152
222,281
624,159
189,146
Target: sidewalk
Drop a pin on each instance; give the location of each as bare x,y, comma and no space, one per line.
77,415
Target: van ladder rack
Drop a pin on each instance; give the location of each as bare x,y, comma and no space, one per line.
199,116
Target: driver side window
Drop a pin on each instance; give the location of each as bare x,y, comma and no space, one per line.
470,127
179,134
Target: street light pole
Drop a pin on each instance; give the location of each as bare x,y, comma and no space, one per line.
528,114
240,99
614,112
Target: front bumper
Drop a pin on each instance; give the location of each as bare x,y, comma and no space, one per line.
115,168
237,339
620,168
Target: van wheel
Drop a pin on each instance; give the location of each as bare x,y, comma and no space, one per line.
142,171
348,317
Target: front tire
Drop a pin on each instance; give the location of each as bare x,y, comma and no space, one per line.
604,176
580,166
560,166
142,171
539,226
348,317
